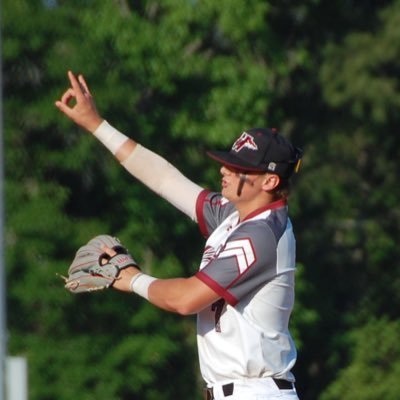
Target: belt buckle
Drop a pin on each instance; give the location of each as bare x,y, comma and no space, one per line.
208,393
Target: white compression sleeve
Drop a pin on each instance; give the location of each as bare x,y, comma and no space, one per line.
164,179
110,137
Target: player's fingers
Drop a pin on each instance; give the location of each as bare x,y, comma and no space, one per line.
64,108
83,84
108,251
76,86
67,96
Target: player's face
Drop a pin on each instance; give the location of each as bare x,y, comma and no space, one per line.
238,184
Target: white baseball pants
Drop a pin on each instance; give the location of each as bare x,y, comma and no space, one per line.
255,389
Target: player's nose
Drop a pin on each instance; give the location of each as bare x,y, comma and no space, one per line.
224,170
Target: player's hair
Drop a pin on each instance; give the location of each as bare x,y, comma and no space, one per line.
282,191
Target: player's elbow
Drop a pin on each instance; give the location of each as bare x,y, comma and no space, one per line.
183,309
188,310
184,296
183,306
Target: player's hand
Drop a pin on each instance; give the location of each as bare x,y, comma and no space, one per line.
77,104
109,251
125,275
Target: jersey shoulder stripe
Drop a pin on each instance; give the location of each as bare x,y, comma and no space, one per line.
211,209
199,212
211,283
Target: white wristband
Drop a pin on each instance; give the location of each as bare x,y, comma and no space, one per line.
110,137
140,284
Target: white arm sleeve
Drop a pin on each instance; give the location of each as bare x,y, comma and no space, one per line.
164,179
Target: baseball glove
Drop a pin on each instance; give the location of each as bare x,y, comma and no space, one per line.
93,269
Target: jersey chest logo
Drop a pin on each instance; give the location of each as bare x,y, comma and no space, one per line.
209,254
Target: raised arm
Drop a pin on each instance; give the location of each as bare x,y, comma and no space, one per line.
78,105
154,171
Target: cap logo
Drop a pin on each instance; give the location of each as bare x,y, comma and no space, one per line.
271,166
245,140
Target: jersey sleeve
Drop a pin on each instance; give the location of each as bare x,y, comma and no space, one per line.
211,209
246,262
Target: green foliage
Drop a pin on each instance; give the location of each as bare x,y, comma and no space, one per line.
375,363
181,77
362,73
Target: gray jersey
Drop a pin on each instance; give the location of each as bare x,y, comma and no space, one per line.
251,265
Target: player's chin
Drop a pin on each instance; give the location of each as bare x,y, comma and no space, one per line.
228,194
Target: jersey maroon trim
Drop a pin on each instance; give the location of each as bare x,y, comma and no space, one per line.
276,204
232,300
199,212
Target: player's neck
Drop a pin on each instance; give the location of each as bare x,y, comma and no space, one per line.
247,207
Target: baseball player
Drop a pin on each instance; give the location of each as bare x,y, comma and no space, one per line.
243,293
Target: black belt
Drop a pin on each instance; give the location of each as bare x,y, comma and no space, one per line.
227,389
283,384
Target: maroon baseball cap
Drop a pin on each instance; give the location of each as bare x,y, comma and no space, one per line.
261,150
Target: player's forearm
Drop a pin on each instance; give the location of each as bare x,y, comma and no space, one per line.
163,293
183,296
164,179
120,145
151,169
174,295
125,150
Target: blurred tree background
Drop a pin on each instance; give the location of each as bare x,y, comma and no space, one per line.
182,76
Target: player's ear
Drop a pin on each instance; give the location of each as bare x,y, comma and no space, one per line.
271,181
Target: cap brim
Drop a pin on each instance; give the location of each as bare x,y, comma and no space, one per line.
230,160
